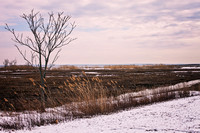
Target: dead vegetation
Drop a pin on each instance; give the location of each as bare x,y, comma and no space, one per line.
18,92
66,67
159,66
88,99
77,94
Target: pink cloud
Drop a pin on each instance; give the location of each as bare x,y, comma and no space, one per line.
148,31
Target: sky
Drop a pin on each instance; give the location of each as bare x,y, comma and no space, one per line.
114,31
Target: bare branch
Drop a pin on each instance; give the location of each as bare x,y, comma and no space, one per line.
55,59
47,37
23,55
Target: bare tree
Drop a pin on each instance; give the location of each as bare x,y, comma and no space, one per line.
6,62
48,37
13,62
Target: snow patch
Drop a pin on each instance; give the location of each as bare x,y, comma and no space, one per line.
180,115
190,67
158,90
184,71
92,73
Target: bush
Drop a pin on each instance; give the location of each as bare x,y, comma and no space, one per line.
7,63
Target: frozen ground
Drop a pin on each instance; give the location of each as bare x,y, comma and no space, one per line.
190,68
177,116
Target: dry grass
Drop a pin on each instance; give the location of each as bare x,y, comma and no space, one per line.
92,98
18,67
159,66
90,94
113,67
66,67
121,67
88,97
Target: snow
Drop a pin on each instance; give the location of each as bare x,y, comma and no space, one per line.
6,71
95,68
158,90
190,67
92,73
179,116
185,71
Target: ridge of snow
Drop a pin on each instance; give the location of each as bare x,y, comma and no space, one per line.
179,116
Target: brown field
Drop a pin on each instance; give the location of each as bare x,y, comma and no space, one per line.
19,85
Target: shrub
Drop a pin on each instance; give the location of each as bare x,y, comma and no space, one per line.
7,63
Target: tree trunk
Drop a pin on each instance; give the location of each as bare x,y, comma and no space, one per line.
42,87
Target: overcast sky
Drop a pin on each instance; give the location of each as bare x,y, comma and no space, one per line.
114,31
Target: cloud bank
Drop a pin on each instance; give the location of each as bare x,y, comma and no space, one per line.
116,31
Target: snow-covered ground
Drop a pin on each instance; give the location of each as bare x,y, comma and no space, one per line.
190,67
176,116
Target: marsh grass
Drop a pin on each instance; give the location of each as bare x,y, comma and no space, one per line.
157,66
88,97
18,67
91,96
113,67
66,67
